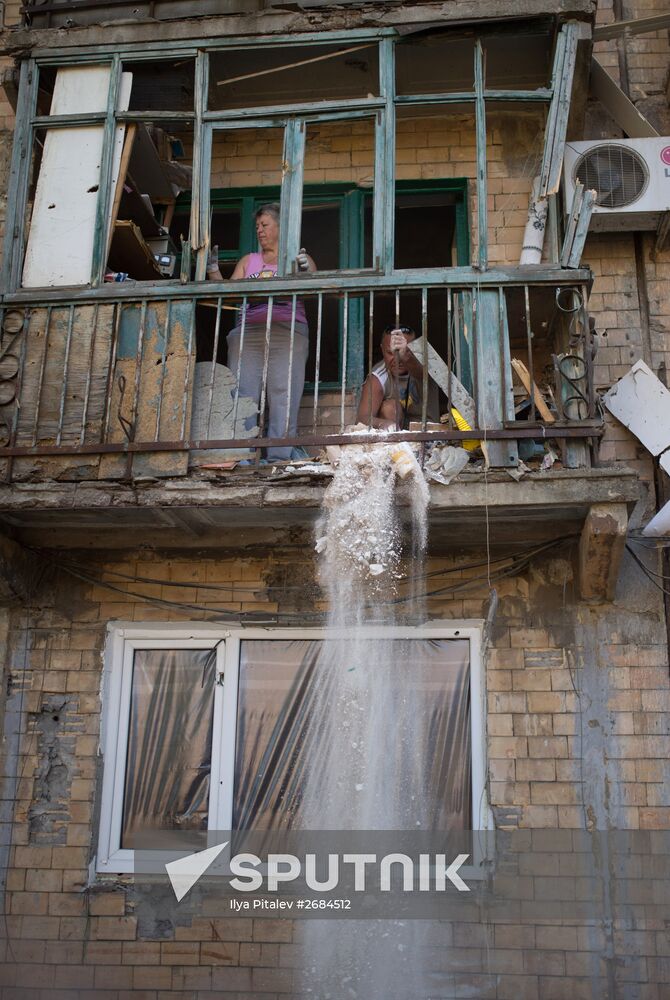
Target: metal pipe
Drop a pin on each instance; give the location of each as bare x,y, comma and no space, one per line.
585,429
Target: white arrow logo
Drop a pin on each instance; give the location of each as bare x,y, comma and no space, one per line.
185,872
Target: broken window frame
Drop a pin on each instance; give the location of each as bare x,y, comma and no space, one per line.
557,96
122,642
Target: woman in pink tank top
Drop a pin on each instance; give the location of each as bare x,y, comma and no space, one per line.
286,361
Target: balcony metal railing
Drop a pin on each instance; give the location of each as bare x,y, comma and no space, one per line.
128,383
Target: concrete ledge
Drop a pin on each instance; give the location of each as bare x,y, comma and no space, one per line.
203,510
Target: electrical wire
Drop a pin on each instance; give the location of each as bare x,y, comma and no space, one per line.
649,573
241,588
233,615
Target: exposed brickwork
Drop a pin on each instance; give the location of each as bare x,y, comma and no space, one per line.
578,699
567,688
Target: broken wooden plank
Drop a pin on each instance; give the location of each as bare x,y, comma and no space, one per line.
619,105
123,170
450,385
573,219
524,377
577,229
559,109
635,26
586,211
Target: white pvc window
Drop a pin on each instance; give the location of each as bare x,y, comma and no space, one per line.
200,724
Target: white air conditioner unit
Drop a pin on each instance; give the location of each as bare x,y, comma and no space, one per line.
631,178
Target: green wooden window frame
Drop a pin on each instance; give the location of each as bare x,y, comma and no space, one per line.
294,119
352,201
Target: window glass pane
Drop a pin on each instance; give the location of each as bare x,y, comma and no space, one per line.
162,86
68,90
518,60
337,153
276,702
434,64
243,158
264,76
169,748
156,166
515,138
435,145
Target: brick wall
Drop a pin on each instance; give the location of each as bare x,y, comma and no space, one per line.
431,147
578,701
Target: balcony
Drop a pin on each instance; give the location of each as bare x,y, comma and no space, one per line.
119,410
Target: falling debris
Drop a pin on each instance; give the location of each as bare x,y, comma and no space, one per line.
361,528
641,403
446,463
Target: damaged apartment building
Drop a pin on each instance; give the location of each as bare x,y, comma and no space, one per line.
494,175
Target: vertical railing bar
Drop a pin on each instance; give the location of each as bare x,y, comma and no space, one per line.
264,378
482,178
239,366
40,383
66,363
450,334
345,346
290,367
397,307
89,373
317,363
371,347
19,386
476,313
110,372
17,397
212,373
459,321
202,147
387,150
187,372
130,457
529,338
504,382
588,355
424,334
166,340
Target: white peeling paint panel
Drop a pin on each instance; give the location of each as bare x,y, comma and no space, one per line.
659,524
642,403
62,228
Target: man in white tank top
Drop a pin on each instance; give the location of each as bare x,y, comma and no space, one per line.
392,395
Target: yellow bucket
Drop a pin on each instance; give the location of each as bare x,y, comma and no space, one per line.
463,425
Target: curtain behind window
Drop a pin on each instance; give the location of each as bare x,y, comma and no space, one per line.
169,748
275,696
